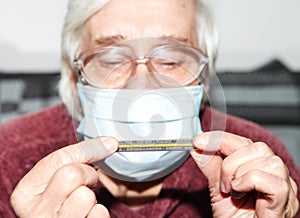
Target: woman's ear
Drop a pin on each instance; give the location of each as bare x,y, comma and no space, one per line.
71,78
73,75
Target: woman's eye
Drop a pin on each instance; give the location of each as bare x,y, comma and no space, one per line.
111,61
168,64
110,64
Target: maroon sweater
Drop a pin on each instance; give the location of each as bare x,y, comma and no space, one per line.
27,139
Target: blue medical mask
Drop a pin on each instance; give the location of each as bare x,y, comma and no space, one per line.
141,114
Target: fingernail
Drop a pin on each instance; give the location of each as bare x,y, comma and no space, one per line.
108,143
197,140
99,148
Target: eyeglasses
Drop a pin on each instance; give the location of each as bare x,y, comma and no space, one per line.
171,62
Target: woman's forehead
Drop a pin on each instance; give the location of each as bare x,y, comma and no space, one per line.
130,19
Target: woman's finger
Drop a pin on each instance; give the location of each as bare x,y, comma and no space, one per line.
210,148
83,152
241,157
27,194
273,192
98,211
67,179
271,164
79,203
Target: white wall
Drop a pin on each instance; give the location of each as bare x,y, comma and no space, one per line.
30,34
251,32
255,31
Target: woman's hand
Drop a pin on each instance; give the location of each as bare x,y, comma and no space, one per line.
58,185
245,179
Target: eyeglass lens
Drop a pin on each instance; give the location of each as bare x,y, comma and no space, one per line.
171,63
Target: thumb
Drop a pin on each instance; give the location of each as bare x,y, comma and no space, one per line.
96,149
210,165
211,147
84,152
207,156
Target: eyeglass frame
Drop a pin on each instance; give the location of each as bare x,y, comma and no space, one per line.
86,56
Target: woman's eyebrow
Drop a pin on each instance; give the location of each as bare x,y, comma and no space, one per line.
107,40
177,38
184,40
114,39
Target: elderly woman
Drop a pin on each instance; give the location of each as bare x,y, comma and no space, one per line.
136,57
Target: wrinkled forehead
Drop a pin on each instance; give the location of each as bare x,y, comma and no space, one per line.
121,20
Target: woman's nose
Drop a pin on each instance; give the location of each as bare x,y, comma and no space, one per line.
141,66
142,77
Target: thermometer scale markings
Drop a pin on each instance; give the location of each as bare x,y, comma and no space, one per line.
156,145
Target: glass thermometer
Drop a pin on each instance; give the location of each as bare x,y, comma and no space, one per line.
156,145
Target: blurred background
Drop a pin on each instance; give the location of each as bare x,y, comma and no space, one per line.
258,64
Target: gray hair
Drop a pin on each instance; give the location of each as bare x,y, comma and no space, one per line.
78,12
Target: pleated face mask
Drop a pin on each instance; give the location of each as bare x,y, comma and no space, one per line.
141,115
